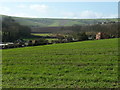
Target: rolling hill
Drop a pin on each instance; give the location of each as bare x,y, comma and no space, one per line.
52,22
52,25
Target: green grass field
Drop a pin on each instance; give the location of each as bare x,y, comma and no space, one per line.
41,34
86,64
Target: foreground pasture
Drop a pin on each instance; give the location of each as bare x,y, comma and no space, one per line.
86,64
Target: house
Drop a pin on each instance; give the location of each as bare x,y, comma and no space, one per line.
101,35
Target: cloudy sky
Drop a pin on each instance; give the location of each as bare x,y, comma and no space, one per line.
74,10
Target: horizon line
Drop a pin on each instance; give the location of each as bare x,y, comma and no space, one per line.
60,17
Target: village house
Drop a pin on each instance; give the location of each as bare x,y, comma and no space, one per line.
101,35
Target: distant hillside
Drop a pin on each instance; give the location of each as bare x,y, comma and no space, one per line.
49,25
49,22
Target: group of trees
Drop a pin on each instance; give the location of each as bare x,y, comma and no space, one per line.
80,36
76,36
110,29
40,41
85,32
11,30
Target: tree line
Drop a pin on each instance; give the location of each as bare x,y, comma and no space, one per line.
11,30
112,30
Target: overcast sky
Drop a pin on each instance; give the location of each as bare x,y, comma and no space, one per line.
36,9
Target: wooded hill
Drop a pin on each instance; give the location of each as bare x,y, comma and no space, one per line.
13,31
49,22
44,25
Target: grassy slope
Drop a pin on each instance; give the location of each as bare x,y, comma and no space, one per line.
79,65
45,22
50,22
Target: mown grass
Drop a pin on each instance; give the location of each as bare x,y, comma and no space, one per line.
86,64
41,34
